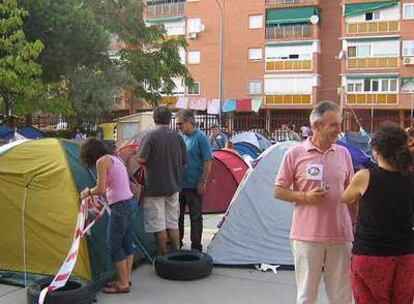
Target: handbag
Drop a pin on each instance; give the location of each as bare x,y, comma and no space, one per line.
136,184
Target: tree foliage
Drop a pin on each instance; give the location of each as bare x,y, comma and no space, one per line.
79,76
152,57
20,73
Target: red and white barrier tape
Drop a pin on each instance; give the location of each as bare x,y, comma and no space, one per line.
82,226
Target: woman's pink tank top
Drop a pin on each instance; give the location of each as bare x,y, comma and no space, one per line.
117,182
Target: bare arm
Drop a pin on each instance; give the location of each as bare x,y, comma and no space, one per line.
356,188
203,180
206,171
313,196
102,166
289,195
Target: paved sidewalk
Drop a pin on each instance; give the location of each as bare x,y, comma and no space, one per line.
226,285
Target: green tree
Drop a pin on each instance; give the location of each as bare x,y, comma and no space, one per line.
72,36
151,57
94,91
20,80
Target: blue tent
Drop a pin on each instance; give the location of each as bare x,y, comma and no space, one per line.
256,139
359,140
31,132
6,133
359,157
244,148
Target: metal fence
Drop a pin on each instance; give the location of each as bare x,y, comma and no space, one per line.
270,125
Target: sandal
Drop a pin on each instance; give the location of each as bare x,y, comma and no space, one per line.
111,284
115,289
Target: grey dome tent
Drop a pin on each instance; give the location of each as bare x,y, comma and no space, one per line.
256,226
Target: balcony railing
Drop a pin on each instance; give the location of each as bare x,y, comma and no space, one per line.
165,9
288,65
291,2
288,99
370,98
372,63
373,27
168,100
289,31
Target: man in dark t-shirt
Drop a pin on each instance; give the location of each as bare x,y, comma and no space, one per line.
164,155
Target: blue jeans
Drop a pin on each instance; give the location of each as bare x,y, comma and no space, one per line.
120,234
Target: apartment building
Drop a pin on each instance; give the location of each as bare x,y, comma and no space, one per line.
290,54
377,58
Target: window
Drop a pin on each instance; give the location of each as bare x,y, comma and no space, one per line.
194,25
393,85
363,51
255,87
255,54
194,89
408,48
255,21
367,85
359,51
372,85
408,11
194,57
385,85
375,86
354,86
175,28
372,16
352,51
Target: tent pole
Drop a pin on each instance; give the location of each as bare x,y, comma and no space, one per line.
24,234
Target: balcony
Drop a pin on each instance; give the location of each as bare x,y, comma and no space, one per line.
288,99
168,100
287,3
372,99
373,27
288,65
372,63
165,10
289,31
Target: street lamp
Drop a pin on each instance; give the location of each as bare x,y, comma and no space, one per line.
221,57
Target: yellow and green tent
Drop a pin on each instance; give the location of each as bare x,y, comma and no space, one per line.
40,181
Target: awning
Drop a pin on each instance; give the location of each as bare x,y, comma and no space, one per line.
367,76
362,8
290,15
163,20
406,80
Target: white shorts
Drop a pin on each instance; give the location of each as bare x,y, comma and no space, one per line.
161,212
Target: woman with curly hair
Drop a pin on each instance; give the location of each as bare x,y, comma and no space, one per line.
410,133
382,266
113,181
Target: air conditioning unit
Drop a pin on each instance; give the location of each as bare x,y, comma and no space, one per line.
192,35
408,60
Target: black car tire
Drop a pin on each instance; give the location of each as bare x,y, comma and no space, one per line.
184,265
76,291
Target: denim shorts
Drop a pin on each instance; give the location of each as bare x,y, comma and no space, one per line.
120,233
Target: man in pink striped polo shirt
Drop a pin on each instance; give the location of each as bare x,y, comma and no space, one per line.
313,176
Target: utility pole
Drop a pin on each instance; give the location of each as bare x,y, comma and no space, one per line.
221,58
